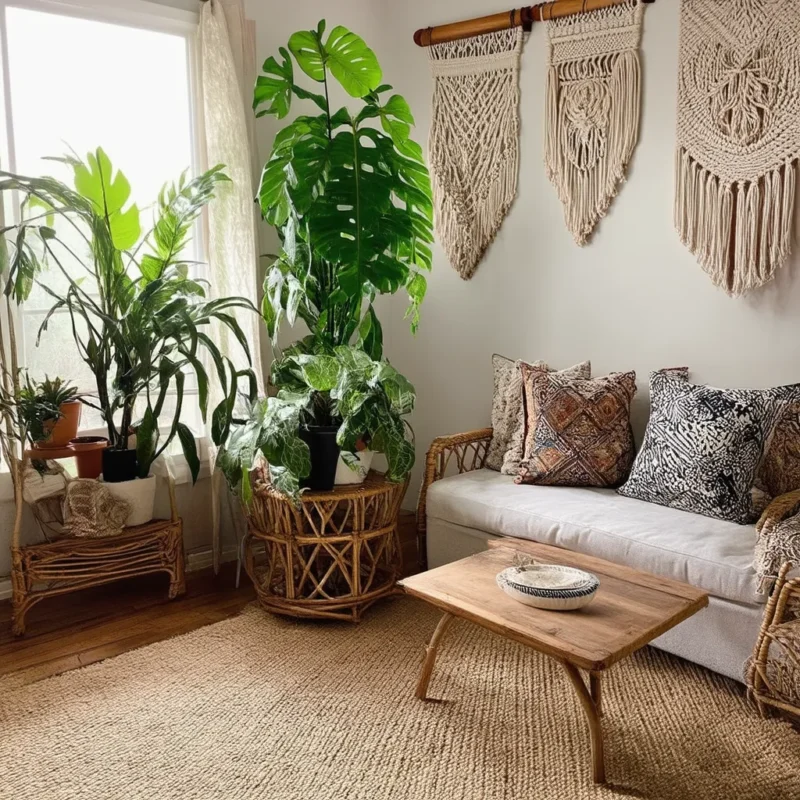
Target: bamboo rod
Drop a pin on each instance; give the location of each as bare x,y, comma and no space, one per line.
515,18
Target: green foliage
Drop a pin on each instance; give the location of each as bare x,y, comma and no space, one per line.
140,323
36,406
366,399
352,202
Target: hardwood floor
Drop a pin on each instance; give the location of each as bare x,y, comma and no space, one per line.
79,629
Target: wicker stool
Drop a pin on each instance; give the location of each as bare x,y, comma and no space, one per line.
331,556
774,674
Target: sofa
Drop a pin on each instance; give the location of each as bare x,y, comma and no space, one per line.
462,506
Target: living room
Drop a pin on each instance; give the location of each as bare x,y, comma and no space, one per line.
606,246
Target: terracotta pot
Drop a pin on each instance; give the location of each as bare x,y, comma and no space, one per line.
64,429
89,455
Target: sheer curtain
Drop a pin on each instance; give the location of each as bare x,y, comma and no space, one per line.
227,56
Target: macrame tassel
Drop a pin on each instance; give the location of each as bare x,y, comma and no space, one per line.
741,231
474,142
592,110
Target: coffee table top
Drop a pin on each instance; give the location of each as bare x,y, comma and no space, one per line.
631,608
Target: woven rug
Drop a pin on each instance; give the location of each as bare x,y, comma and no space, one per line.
259,707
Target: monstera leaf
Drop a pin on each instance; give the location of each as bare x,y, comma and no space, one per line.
345,54
352,63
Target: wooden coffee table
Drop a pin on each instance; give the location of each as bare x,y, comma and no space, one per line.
631,608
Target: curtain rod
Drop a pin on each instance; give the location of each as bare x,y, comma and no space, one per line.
524,17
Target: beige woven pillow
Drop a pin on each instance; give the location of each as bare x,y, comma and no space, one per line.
508,416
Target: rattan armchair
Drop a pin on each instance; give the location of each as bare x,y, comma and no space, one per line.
461,452
773,675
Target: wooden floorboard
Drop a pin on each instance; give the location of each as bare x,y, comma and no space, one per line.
78,629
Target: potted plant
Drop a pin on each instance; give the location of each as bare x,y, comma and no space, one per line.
56,429
363,402
350,196
140,322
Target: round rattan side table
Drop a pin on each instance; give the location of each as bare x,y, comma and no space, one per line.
330,556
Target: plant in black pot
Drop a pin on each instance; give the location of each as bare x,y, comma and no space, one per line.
140,321
330,402
349,195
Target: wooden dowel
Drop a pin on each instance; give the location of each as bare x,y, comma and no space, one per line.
515,18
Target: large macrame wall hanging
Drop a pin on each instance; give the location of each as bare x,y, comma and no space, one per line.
738,136
474,141
592,109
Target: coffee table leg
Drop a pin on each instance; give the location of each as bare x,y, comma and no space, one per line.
591,709
430,656
596,689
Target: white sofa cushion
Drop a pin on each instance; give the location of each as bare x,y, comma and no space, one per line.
708,553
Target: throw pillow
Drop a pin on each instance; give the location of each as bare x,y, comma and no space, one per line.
578,431
508,418
779,472
703,446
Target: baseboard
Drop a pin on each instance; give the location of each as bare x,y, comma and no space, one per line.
202,559
194,561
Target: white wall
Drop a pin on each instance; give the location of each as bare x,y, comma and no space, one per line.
633,298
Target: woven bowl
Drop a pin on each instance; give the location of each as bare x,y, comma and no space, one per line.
549,586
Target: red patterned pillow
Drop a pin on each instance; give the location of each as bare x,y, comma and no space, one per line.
582,432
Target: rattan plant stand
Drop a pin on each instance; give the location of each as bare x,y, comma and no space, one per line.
331,556
71,563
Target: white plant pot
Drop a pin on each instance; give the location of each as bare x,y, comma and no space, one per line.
347,475
141,494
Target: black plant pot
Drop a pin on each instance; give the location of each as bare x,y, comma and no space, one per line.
321,441
119,465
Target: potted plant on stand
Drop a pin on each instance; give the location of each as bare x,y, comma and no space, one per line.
350,197
140,321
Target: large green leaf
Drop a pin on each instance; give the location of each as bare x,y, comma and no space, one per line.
109,194
189,447
352,63
306,47
320,372
397,119
274,87
146,441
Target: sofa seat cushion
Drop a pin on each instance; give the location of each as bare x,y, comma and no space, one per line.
711,554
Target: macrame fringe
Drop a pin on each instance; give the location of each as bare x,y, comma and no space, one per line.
592,109
741,232
466,229
474,142
587,170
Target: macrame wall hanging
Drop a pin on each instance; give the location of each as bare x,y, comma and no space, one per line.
738,136
592,109
474,141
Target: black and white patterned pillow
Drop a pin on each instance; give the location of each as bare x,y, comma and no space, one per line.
703,446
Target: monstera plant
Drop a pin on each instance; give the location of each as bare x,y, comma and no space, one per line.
350,196
348,191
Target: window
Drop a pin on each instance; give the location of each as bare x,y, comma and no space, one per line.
78,75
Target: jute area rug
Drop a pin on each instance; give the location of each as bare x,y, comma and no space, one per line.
259,707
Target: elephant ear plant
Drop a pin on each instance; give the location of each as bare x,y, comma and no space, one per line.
140,322
350,196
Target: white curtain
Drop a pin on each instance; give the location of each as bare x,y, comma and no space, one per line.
227,56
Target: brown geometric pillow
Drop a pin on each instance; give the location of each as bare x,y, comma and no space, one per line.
508,417
582,431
